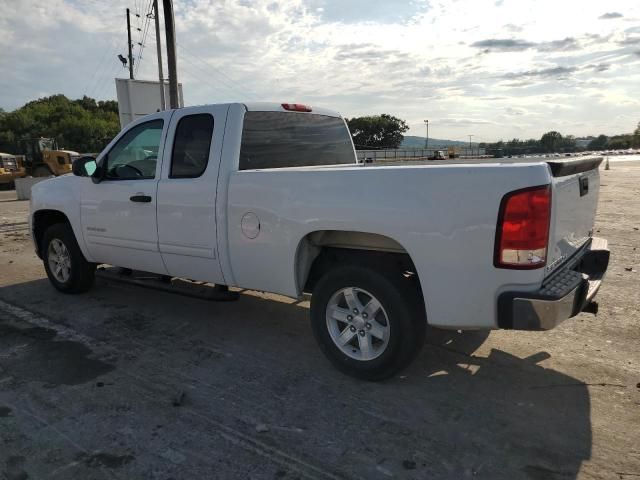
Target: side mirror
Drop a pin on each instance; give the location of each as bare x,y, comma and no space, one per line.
97,173
84,167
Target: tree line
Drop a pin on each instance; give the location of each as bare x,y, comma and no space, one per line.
550,142
83,125
86,125
554,142
616,142
387,131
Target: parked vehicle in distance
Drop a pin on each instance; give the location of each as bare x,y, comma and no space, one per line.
9,169
270,197
43,158
438,155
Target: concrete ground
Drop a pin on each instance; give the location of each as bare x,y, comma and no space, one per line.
126,382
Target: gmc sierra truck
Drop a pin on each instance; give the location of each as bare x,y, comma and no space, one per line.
271,197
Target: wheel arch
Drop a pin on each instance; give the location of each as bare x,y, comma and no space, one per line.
41,221
319,250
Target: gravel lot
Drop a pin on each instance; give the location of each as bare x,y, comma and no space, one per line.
127,382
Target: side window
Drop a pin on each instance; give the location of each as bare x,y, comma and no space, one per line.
135,155
191,146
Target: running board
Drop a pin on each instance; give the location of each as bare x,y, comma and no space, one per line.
177,286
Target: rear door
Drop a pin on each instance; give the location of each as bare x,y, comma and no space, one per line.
187,234
575,189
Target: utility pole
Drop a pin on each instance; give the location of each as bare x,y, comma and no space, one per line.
170,31
130,50
426,140
156,14
470,148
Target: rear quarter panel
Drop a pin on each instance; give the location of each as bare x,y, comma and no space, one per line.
444,216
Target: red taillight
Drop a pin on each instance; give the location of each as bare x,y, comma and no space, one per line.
522,233
296,107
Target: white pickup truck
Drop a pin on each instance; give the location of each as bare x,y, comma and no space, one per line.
271,197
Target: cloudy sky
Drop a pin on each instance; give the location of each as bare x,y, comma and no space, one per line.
491,68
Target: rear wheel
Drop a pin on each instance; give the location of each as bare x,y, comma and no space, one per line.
368,323
64,262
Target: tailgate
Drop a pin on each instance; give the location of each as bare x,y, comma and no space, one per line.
575,189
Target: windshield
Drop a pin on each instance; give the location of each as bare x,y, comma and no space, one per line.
47,144
285,139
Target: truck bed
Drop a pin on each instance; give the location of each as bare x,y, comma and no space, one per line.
444,217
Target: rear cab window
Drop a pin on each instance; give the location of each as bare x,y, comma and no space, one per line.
191,146
288,139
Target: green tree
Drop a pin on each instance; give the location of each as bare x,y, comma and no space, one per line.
83,125
620,142
108,106
551,141
598,143
377,131
87,103
569,144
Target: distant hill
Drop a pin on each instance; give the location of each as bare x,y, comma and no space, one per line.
411,141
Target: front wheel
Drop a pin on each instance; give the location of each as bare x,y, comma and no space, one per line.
369,324
64,262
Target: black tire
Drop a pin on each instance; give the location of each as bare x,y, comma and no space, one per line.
404,309
82,273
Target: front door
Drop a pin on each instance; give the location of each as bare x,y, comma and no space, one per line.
187,233
119,214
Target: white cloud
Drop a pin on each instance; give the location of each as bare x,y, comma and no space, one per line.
493,69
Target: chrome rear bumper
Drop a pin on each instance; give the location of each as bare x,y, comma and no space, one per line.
564,294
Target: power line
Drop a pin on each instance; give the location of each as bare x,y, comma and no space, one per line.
206,78
99,66
208,74
229,82
145,31
105,83
110,74
224,79
138,20
99,78
149,16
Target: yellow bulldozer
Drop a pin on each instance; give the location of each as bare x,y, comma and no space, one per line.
10,169
43,158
